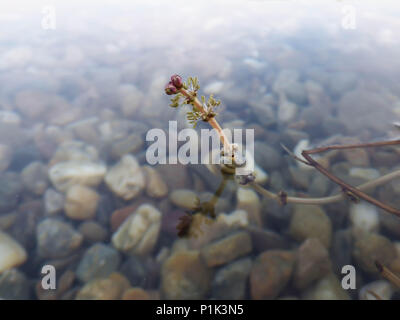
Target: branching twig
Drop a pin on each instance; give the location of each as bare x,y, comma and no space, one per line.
176,86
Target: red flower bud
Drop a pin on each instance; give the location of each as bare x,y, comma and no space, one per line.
177,81
170,88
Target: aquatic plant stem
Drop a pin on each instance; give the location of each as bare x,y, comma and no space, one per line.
212,121
325,200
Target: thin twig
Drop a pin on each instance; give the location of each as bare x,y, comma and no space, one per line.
387,274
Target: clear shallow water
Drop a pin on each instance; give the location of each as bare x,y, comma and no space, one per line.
289,69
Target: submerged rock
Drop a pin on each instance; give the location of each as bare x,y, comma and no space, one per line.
312,263
53,201
99,261
34,177
311,222
81,203
184,276
126,178
230,282
328,288
10,189
270,274
64,175
12,254
371,247
183,198
155,185
383,288
57,239
227,249
139,233
13,285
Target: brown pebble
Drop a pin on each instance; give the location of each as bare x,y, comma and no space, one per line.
135,294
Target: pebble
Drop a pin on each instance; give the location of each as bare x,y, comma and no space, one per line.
5,157
248,200
93,232
230,282
369,247
270,273
99,261
53,202
328,288
34,178
383,288
10,189
12,254
100,289
119,216
364,216
135,294
155,185
227,249
75,151
184,276
140,231
56,239
81,203
64,175
311,222
312,263
14,285
125,179
126,145
184,198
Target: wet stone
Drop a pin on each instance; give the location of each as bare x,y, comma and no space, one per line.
81,203
230,282
24,227
311,222
64,175
93,232
328,288
184,276
57,239
126,179
227,249
371,247
34,178
155,185
100,289
53,202
312,263
270,273
10,189
14,285
99,261
139,233
12,254
183,198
